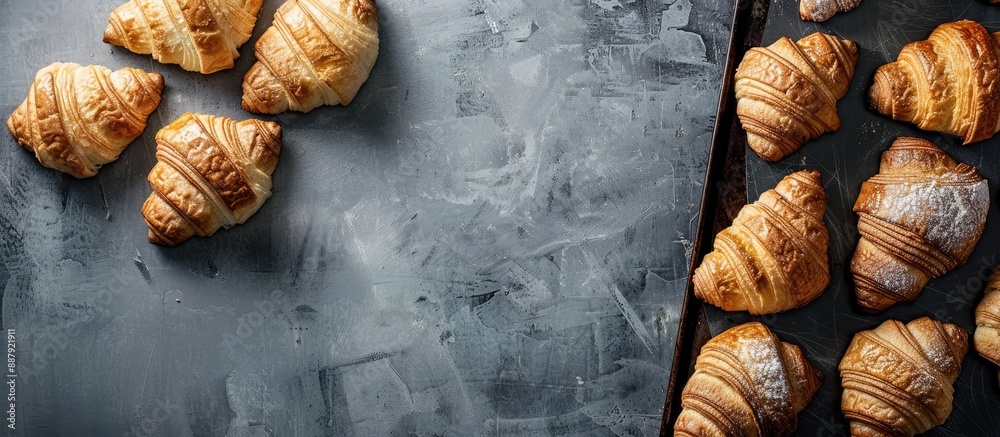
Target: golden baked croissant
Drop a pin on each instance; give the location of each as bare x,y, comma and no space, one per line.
787,92
77,119
949,83
773,257
212,172
746,382
987,338
317,52
920,217
898,378
199,35
822,10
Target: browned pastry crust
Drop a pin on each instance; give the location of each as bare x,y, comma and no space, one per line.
987,338
898,378
212,172
317,52
773,257
948,83
199,35
77,119
787,92
747,382
822,10
920,217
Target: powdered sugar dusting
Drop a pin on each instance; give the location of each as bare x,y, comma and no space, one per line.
938,356
945,213
765,367
822,10
895,276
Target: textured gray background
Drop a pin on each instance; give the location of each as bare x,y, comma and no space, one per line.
491,240
847,158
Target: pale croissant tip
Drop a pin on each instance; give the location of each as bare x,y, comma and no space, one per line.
10,126
873,308
852,46
960,335
249,104
806,14
153,238
868,297
157,80
704,287
878,97
111,36
818,376
885,96
151,234
810,175
765,148
273,129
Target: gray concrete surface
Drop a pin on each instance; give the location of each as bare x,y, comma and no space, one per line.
491,240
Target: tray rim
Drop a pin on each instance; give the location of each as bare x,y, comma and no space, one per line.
690,328
746,30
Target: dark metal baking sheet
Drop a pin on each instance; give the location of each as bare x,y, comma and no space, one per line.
847,158
491,240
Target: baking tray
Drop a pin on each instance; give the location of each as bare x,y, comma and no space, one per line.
847,158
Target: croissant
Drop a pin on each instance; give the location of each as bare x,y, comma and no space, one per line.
746,382
920,217
949,83
317,52
822,10
787,93
199,35
211,172
77,119
773,257
987,338
898,378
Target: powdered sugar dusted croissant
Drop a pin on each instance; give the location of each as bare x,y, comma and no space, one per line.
898,379
987,337
773,257
200,35
77,119
920,217
822,10
949,83
787,92
317,52
747,382
212,172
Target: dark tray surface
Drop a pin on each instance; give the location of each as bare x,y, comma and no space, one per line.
847,158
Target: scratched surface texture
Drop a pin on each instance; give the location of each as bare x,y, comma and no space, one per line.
847,158
491,240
